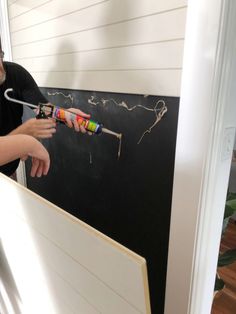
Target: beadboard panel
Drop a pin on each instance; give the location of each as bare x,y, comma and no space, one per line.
58,9
48,302
106,268
68,280
162,55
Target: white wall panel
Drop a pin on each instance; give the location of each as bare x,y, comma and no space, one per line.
164,82
113,36
25,13
68,280
164,55
135,30
109,277
19,7
115,10
10,2
104,45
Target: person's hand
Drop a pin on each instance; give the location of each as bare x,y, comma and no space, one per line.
38,128
40,166
74,124
40,158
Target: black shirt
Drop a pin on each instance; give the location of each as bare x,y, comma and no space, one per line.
24,88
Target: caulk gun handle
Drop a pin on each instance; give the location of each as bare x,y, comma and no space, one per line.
41,114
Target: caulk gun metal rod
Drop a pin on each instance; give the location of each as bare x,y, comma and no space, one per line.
18,101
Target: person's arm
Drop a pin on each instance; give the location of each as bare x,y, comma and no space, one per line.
45,128
22,146
31,93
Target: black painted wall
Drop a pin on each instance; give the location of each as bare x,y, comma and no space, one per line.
128,199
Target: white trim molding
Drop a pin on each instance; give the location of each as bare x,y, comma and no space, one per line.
205,139
5,31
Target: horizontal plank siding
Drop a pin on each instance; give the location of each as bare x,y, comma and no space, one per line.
11,2
58,38
112,36
162,55
165,82
30,12
37,13
135,29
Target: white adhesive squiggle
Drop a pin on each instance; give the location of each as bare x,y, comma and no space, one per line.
124,105
92,102
60,93
159,112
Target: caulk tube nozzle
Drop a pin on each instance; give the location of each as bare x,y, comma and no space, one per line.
118,135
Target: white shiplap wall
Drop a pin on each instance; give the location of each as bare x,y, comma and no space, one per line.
104,45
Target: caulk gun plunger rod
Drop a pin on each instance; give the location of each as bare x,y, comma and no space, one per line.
17,101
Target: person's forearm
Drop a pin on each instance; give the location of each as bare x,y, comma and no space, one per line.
15,146
16,131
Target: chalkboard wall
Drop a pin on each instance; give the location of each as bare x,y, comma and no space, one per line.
127,198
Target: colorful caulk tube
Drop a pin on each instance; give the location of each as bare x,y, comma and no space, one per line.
62,115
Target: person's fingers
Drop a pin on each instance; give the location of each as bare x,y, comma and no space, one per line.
69,123
45,133
68,119
80,113
40,128
76,126
48,120
44,129
46,167
40,169
82,129
34,167
47,123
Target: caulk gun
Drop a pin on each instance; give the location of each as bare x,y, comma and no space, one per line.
62,115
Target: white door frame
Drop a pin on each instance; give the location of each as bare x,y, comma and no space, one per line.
4,30
205,140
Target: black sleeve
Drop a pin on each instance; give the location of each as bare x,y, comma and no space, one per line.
29,90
